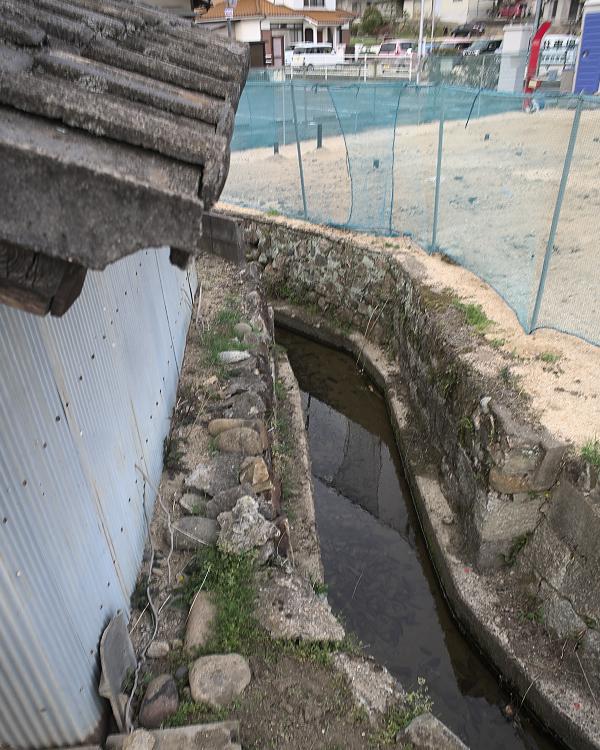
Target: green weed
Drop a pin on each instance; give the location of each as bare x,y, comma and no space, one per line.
231,580
549,357
213,448
505,375
474,315
221,336
399,717
280,390
516,547
273,212
319,587
497,343
172,454
195,713
591,452
466,428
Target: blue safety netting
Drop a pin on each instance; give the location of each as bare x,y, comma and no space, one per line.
372,156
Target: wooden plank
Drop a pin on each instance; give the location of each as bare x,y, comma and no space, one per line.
36,283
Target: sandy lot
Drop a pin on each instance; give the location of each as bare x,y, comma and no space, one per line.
500,180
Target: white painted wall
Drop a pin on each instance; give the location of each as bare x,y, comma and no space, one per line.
247,31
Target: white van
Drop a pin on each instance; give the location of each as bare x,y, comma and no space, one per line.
311,55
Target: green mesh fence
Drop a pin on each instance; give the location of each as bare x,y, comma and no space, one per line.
504,184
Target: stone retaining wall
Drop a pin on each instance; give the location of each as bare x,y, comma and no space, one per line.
520,496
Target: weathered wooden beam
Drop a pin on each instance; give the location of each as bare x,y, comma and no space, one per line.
36,283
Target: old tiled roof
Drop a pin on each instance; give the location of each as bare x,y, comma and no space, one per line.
264,9
328,17
115,124
248,9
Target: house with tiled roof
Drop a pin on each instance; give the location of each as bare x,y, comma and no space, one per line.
271,27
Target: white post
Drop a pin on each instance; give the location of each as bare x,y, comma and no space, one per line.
365,70
420,50
283,105
410,69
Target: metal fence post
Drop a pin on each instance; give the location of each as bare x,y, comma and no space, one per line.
554,226
438,179
283,111
299,151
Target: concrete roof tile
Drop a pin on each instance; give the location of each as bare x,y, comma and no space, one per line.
113,76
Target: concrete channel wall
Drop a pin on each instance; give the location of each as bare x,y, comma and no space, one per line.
521,498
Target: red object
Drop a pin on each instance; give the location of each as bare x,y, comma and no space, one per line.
534,55
513,11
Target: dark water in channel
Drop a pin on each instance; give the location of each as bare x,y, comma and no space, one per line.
379,575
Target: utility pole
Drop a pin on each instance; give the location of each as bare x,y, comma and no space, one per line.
538,15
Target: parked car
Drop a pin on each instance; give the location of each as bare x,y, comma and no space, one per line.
397,48
311,55
455,47
289,51
469,29
513,10
483,47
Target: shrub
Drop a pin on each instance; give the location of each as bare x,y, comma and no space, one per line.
371,20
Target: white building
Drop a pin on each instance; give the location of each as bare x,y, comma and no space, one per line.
270,27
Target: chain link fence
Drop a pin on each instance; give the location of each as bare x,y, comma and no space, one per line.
504,184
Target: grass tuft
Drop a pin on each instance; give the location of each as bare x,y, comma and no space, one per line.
195,713
231,580
591,452
474,315
399,717
549,357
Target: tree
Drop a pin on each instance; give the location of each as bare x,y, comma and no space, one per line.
371,20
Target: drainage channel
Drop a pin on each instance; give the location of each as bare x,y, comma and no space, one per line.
377,569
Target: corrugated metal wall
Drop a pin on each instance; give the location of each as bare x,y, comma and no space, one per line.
83,398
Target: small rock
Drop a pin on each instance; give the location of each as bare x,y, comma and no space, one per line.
231,357
266,509
192,503
157,650
289,608
254,472
240,440
182,673
215,475
218,679
160,701
265,553
428,733
247,405
200,621
139,740
243,528
559,616
241,329
227,499
217,426
485,404
373,687
193,532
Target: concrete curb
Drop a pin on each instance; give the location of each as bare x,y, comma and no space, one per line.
471,601
307,552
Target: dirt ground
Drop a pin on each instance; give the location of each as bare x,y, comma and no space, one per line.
500,180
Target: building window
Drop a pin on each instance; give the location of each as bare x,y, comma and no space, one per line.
314,3
308,35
